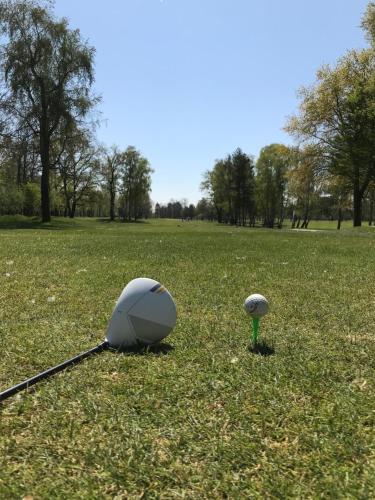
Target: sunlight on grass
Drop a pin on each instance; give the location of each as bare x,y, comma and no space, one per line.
205,417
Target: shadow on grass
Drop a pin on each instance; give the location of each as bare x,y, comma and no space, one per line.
161,349
262,348
21,222
106,220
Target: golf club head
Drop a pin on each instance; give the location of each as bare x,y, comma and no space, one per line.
145,313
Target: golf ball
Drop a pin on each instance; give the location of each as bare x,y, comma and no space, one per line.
256,305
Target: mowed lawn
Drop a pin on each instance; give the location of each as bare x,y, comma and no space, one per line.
204,417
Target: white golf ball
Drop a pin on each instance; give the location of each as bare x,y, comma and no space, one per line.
256,305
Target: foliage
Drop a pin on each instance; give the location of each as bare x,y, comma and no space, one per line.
48,71
175,210
31,198
272,167
368,23
111,172
136,184
78,166
230,186
338,114
205,209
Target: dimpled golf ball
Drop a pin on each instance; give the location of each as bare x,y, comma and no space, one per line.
256,305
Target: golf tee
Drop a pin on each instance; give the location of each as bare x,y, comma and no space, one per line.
255,330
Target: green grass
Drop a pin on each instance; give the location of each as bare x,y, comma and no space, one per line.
207,418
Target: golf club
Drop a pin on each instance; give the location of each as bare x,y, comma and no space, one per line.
145,313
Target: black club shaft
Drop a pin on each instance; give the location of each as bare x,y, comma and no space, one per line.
51,371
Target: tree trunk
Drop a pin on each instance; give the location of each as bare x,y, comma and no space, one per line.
19,171
112,206
339,218
44,187
73,210
219,212
357,207
44,144
371,214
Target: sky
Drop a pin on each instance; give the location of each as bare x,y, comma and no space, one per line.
188,81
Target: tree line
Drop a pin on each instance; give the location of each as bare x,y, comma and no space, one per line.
50,161
331,170
52,164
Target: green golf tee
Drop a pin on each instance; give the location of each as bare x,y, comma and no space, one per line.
255,330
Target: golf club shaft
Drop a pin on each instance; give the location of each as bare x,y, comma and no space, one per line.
51,371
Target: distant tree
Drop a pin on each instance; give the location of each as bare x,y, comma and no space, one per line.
339,189
368,23
338,114
144,206
205,209
111,169
11,195
31,198
230,186
136,177
48,71
243,186
371,203
271,181
157,211
216,183
191,211
303,184
78,166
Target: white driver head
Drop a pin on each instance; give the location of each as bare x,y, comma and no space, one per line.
145,313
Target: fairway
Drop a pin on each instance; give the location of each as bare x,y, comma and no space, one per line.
202,416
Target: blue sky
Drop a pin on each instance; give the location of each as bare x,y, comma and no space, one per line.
188,81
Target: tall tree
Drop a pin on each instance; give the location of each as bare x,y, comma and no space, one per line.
216,183
339,190
136,182
230,186
48,71
338,113
243,186
112,165
368,23
272,167
304,183
78,166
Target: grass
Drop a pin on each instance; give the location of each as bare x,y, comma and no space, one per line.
205,416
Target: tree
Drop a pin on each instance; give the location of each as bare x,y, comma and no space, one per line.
371,203
339,190
230,186
48,71
111,171
368,23
31,198
338,114
304,183
271,179
205,209
243,186
78,166
216,184
136,176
